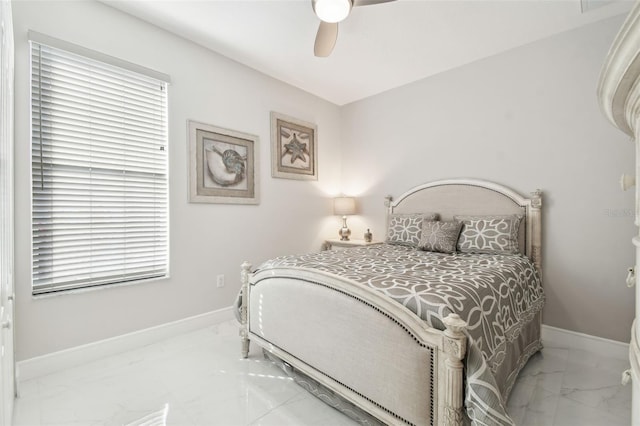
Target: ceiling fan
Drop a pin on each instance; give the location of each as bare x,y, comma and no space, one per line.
330,12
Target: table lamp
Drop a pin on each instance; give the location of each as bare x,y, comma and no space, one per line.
343,206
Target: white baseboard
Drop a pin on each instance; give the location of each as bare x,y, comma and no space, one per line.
56,361
560,338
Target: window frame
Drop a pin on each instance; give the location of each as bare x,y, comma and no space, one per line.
127,278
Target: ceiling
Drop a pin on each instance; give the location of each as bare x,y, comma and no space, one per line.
379,47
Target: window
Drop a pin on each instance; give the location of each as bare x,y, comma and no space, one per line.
99,169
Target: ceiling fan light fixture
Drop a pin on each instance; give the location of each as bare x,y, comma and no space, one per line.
332,10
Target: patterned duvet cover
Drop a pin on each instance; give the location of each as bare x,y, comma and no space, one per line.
498,295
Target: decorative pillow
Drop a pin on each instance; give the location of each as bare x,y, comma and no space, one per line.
406,229
440,236
489,234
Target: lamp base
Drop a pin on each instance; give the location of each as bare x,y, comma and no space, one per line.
344,234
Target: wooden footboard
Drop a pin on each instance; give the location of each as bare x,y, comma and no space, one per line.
372,351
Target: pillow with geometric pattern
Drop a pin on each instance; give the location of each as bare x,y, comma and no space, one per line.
489,234
440,237
405,229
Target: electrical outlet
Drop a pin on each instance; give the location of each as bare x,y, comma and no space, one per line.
220,281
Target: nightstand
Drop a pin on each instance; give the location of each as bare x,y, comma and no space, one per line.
337,244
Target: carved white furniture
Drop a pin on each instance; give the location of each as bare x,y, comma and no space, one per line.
619,95
433,357
8,388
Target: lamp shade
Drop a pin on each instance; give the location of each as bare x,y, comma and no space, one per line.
343,206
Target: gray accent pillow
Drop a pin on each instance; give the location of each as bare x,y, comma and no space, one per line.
489,234
440,237
406,229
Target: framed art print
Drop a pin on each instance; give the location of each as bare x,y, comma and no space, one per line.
223,165
294,148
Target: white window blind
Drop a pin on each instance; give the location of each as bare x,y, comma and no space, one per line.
99,172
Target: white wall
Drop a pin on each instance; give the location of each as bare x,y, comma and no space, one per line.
528,119
206,239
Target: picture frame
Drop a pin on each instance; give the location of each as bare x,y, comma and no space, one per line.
223,165
294,148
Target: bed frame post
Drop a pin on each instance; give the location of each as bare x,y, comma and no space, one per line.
455,347
389,209
244,308
535,218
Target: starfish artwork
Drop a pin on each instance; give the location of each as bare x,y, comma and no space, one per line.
297,150
294,148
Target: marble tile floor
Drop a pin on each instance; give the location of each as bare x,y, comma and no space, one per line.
199,378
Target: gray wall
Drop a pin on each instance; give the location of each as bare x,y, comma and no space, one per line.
528,119
205,240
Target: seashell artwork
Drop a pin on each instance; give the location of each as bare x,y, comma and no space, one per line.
226,168
223,165
233,162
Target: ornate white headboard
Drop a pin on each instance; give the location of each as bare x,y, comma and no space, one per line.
477,197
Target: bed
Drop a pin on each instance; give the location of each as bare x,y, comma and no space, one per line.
406,335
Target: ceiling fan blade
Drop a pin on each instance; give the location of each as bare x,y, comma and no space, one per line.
369,2
325,39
